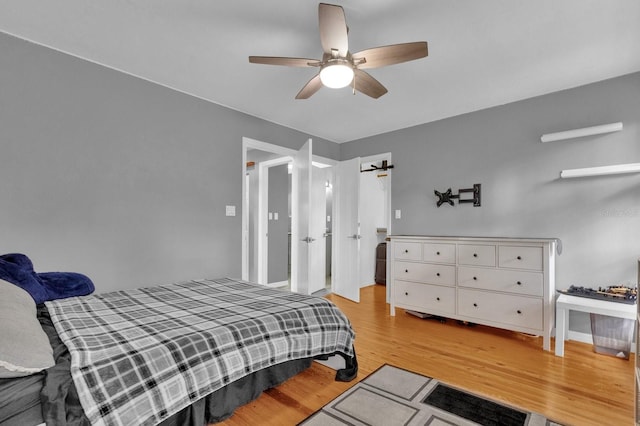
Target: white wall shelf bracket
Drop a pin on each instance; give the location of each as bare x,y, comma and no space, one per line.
601,171
578,133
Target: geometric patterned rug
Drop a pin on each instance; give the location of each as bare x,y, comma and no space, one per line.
393,396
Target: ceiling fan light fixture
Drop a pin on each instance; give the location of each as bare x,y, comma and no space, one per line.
336,74
338,66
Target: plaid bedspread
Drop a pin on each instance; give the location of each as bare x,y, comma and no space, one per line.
141,355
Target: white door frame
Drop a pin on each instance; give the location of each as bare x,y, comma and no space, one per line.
263,211
248,143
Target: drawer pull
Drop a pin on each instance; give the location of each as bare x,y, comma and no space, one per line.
406,250
475,254
519,312
438,299
437,274
519,283
475,278
406,293
438,253
519,257
475,305
406,271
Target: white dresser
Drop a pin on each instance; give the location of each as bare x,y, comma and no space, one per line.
501,282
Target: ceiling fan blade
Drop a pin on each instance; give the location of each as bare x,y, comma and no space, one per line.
288,62
333,29
310,88
368,85
388,55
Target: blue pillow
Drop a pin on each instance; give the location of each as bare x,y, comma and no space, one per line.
60,285
17,268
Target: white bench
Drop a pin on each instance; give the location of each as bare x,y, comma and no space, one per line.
566,303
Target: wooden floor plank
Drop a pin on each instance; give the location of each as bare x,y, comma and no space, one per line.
583,388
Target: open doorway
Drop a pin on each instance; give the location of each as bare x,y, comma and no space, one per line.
374,207
331,190
269,215
363,201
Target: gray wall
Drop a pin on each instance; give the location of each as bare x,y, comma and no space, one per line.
127,181
279,229
597,219
123,180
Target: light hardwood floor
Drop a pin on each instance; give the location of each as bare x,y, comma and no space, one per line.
583,388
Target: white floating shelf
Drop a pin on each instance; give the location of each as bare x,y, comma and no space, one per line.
601,171
586,131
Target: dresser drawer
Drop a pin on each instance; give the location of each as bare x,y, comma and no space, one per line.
425,272
519,282
520,311
477,255
408,251
425,298
520,257
436,252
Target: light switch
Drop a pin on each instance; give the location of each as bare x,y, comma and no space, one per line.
231,210
398,214
270,216
275,215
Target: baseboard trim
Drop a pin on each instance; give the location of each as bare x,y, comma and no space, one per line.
587,338
580,337
277,284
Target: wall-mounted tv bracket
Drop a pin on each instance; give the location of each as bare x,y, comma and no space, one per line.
448,197
385,166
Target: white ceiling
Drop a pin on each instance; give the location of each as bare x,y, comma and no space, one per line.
481,53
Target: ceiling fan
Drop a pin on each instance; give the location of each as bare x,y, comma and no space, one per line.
339,67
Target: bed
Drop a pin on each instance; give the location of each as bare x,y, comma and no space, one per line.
185,353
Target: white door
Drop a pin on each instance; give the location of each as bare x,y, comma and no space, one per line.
304,236
346,234
317,229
